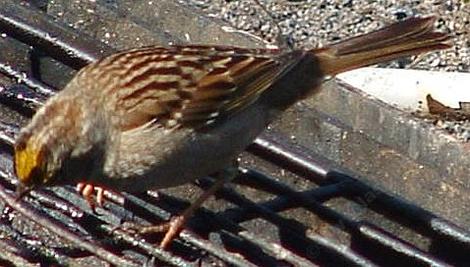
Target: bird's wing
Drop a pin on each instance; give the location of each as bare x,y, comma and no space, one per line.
190,86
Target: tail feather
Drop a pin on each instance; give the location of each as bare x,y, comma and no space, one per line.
406,38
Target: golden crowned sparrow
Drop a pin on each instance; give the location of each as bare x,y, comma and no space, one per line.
157,117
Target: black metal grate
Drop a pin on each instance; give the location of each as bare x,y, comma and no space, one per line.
240,232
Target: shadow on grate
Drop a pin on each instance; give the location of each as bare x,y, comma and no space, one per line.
260,221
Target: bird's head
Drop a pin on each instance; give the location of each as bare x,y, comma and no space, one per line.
62,144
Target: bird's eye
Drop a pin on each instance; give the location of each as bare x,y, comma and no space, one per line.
20,145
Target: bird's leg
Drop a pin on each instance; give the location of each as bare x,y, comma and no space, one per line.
175,225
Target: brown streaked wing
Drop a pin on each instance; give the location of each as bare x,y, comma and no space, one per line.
212,83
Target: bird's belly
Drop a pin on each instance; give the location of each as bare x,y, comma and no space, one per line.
174,158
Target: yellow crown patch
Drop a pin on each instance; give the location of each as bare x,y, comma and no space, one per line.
27,160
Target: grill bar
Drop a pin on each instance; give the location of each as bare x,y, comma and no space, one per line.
45,222
293,235
149,248
11,252
282,154
39,87
297,161
415,217
402,248
229,229
339,249
364,230
186,235
23,22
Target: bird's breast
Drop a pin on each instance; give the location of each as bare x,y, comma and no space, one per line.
156,158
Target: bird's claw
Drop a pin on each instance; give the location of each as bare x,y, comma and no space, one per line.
171,229
88,190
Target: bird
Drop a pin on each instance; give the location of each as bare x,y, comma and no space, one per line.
156,117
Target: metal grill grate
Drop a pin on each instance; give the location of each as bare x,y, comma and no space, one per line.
237,230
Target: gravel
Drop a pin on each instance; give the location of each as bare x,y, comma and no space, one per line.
313,23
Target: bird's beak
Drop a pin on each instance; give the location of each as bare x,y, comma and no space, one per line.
22,190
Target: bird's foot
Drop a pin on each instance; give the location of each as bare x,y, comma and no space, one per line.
176,224
171,229
88,190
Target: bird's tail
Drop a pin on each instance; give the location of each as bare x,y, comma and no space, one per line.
406,38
